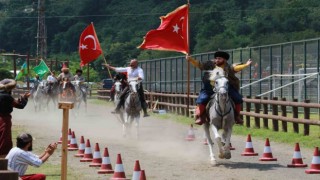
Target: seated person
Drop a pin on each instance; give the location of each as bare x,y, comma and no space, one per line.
81,79
20,157
51,80
122,77
66,76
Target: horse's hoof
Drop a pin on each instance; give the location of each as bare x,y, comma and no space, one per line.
213,162
227,155
221,156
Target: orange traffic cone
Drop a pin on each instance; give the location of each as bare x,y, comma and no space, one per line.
73,143
297,159
97,160
106,167
249,151
136,171
190,135
119,170
142,175
82,147
315,164
267,154
87,157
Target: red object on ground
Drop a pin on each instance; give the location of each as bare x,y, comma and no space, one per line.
249,151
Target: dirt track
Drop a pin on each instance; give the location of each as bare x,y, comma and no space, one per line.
161,150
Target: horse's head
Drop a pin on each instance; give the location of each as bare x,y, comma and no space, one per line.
117,86
134,86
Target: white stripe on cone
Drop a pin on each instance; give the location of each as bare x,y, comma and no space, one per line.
96,154
249,145
119,168
106,160
136,175
267,149
297,155
73,141
315,160
82,146
87,150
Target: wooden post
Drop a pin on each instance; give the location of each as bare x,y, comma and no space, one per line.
306,116
284,114
265,111
257,110
248,107
64,151
275,123
295,114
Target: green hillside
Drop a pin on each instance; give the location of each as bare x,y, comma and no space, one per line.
121,24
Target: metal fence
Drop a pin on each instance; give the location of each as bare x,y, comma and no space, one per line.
298,59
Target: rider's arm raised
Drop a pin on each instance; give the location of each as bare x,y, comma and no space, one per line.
239,67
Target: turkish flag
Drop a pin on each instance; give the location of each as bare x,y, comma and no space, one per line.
89,46
172,34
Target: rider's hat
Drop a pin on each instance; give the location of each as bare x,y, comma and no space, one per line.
221,54
64,67
7,84
79,70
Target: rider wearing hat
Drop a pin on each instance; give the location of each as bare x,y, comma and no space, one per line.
220,60
66,76
7,103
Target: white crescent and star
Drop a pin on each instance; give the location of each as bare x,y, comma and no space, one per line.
84,46
176,27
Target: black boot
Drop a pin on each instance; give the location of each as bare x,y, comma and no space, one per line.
144,108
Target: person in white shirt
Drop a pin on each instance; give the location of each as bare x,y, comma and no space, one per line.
20,157
51,80
133,72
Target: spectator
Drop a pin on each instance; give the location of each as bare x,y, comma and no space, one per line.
20,157
7,103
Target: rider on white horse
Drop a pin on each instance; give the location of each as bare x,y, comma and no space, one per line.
122,77
51,80
220,60
81,79
134,72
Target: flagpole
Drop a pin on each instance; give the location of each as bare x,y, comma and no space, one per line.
106,63
188,77
28,71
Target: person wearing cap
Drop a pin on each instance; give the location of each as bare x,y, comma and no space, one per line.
133,72
20,157
220,60
7,103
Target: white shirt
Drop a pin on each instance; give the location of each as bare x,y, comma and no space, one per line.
50,78
132,73
18,160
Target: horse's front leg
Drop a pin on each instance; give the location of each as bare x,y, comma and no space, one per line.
137,119
210,143
227,153
218,140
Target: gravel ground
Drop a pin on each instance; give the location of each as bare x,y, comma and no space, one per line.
161,149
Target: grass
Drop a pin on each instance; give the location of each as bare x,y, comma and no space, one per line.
283,137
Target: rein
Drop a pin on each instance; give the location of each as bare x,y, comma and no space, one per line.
218,108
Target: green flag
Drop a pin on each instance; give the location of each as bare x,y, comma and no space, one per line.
23,71
41,69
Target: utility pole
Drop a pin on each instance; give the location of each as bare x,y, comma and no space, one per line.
42,31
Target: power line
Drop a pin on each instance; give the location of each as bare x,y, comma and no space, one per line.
158,14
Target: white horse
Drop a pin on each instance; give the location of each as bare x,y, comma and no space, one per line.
220,113
132,107
80,94
39,96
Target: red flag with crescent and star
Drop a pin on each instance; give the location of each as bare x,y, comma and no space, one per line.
89,46
172,34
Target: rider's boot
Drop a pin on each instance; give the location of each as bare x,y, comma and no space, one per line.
199,114
237,117
144,108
